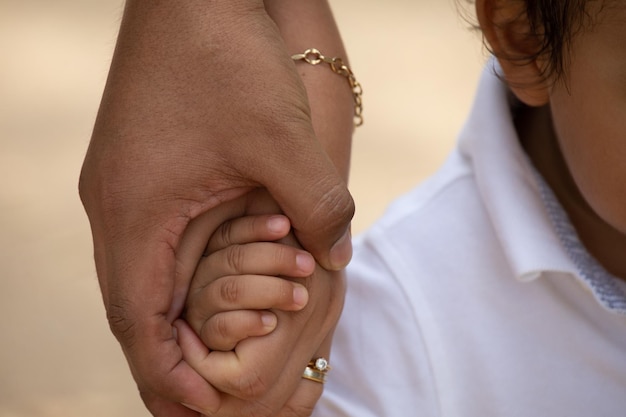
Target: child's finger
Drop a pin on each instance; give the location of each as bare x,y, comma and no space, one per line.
249,229
205,362
261,258
247,371
244,292
243,374
224,330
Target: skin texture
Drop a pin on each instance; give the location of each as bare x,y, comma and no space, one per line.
574,131
202,106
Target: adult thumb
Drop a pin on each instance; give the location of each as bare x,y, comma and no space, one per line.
314,196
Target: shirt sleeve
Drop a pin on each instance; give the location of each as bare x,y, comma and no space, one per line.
380,362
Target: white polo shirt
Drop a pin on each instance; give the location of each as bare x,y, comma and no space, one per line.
473,296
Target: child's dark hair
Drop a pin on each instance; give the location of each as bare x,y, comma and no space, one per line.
555,23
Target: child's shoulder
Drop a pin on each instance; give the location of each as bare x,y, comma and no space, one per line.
429,230
440,199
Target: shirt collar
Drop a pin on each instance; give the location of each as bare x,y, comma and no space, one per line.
533,229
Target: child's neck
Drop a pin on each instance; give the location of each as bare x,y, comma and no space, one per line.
606,244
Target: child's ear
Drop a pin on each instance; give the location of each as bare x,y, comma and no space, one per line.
506,29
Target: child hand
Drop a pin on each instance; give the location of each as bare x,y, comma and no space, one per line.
260,371
236,284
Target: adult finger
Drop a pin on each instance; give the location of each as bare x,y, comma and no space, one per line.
160,407
303,400
313,195
160,371
139,288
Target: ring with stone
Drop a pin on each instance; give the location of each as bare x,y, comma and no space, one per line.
316,370
320,364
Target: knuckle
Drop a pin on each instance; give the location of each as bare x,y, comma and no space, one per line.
225,236
281,254
256,226
235,258
230,291
84,186
219,328
92,189
122,325
336,208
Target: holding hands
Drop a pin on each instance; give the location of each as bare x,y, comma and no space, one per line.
249,280
202,106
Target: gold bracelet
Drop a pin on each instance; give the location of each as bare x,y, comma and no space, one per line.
313,56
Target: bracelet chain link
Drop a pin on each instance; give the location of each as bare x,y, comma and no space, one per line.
314,57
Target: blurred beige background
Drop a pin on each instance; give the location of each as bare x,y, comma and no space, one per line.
418,63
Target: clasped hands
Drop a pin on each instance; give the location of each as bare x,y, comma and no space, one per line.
258,309
190,133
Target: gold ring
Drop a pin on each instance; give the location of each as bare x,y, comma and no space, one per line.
316,370
313,375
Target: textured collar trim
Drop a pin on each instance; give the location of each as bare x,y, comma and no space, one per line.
532,227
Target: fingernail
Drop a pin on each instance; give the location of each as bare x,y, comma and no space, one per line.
268,320
341,252
175,333
305,263
277,224
300,296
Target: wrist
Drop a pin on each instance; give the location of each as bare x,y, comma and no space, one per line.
309,24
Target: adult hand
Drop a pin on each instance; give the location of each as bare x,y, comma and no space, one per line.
202,104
